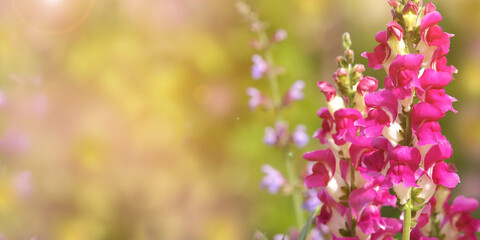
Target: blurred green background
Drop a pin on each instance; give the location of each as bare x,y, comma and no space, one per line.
128,119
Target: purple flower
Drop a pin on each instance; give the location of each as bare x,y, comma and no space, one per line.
259,68
311,202
270,136
279,35
300,136
273,179
295,93
257,99
281,237
277,135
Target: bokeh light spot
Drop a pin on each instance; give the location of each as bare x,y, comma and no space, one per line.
52,16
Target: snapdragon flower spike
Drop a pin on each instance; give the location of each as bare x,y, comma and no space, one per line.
273,180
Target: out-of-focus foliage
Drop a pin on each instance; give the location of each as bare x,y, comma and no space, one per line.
133,122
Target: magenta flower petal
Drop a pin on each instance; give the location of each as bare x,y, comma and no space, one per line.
403,74
381,52
463,204
440,64
392,227
401,174
430,20
344,125
327,125
437,153
359,148
359,199
430,133
423,112
433,79
439,98
323,170
445,175
385,100
430,7
436,37
367,84
327,89
371,220
409,156
394,29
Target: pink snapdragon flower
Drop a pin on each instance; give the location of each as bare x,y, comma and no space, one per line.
390,139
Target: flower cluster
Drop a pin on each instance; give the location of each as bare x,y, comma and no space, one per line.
390,139
279,135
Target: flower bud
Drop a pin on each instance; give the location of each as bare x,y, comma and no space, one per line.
341,76
349,55
341,62
395,38
393,3
410,14
279,36
347,41
359,68
430,7
257,45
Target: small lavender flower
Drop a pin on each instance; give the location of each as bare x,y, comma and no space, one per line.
279,35
277,135
281,237
273,179
316,234
295,93
300,136
259,67
270,136
257,99
311,201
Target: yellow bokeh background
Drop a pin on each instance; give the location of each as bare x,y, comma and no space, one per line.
133,123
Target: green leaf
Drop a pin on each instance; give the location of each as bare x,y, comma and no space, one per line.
308,224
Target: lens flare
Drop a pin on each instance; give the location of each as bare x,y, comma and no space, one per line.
52,17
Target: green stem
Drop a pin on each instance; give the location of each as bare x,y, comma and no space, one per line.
291,171
271,75
407,220
296,194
